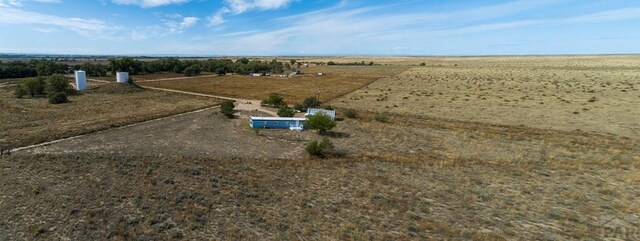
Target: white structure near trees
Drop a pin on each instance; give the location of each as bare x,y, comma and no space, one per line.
313,111
122,77
81,80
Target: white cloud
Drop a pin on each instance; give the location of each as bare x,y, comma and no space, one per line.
82,26
188,22
343,28
236,7
173,26
149,3
18,3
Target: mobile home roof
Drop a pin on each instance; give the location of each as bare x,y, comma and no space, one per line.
277,118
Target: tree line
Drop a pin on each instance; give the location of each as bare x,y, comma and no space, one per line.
44,67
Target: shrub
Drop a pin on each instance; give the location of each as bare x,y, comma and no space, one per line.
324,148
20,92
321,122
331,63
57,84
298,107
351,113
34,86
286,112
423,64
58,98
227,109
382,117
177,233
311,102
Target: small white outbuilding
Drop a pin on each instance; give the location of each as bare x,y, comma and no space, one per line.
122,77
81,80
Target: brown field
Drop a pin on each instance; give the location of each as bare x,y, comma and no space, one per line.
580,93
31,121
337,81
144,77
453,171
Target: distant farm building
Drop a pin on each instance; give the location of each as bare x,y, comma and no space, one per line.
256,74
313,111
293,123
320,74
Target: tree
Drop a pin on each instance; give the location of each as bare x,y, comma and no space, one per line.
293,61
331,63
311,102
127,64
321,122
192,70
286,112
274,100
227,109
221,71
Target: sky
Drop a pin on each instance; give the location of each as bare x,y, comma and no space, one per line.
319,27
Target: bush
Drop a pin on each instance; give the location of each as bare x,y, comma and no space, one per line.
331,63
382,117
351,113
58,98
311,102
321,122
57,84
324,148
423,64
20,92
298,107
227,109
34,86
286,112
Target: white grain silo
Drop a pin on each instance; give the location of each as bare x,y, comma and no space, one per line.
122,77
81,80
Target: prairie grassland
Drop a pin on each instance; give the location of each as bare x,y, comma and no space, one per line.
600,94
30,121
441,195
339,80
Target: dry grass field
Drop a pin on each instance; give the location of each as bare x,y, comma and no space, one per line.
494,165
31,121
339,80
600,94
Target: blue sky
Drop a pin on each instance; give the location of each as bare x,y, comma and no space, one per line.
320,27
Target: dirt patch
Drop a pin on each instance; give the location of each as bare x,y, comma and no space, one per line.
337,81
205,134
31,121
